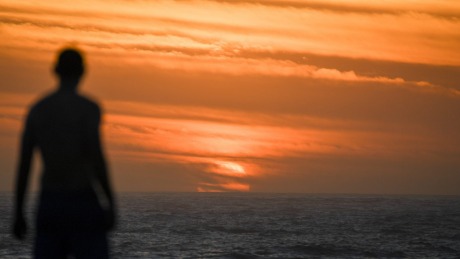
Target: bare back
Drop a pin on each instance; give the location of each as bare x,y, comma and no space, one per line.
65,128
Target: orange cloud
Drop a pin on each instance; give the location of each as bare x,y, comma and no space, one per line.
221,187
189,39
389,31
257,43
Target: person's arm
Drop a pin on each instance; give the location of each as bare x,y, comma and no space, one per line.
22,179
102,174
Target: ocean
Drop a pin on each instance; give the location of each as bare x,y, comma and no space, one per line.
262,225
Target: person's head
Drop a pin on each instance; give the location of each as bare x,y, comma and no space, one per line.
69,64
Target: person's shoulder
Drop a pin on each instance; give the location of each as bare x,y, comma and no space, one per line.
42,102
89,102
44,98
90,108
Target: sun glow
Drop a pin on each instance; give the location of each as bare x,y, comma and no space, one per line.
229,168
214,95
233,167
223,187
226,176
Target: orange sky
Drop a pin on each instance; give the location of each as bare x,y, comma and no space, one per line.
275,96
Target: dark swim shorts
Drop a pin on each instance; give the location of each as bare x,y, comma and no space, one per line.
70,223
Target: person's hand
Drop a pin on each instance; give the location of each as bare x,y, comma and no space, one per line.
19,227
110,218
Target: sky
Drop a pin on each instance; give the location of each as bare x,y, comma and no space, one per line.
310,96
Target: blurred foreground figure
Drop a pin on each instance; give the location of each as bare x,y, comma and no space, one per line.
75,204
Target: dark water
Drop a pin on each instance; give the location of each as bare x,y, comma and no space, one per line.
233,225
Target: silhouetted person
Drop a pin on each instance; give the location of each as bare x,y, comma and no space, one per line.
75,204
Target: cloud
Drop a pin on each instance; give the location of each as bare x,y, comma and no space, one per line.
271,67
395,34
444,9
235,92
230,155
223,187
247,44
244,148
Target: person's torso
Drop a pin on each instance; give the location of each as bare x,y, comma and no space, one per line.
61,130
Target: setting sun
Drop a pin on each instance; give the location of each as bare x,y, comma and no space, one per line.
234,168
286,96
230,128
